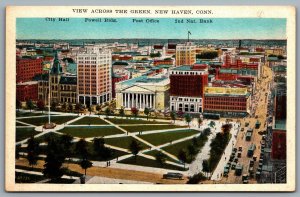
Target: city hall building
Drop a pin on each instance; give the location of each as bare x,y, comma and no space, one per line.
227,101
143,92
187,87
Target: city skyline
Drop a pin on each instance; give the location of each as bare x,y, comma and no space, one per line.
221,28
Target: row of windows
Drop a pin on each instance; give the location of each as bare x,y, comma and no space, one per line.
186,99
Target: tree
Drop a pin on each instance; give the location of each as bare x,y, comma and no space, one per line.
188,118
29,104
122,112
191,149
90,109
206,131
53,105
66,142
200,120
41,105
107,111
78,107
205,167
146,111
54,160
134,111
85,164
196,178
18,104
70,107
212,124
18,149
182,157
195,141
135,147
81,148
160,158
173,116
65,106
33,150
98,108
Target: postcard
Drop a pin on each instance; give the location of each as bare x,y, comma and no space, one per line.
150,98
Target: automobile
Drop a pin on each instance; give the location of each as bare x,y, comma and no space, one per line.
172,175
240,148
242,129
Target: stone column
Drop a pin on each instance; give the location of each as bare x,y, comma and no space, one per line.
144,100
132,100
136,100
150,101
140,101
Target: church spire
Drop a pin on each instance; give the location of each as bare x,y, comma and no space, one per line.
56,68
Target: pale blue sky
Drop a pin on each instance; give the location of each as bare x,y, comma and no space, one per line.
221,28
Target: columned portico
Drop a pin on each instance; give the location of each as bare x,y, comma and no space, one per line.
138,100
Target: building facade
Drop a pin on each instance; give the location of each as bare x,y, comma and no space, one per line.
27,91
187,87
185,54
227,101
27,68
143,92
94,76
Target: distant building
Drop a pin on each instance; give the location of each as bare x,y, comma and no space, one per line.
115,79
141,92
187,87
227,101
28,67
185,54
94,76
27,91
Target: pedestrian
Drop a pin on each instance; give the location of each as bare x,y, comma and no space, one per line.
225,158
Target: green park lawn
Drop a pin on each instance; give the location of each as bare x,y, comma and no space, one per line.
155,152
87,132
42,120
25,114
139,128
123,142
23,133
20,124
89,120
142,161
165,137
119,121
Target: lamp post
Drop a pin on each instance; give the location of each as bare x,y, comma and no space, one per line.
49,96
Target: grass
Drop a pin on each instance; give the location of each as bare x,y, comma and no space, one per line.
42,120
24,114
142,161
133,121
165,137
20,124
89,120
123,142
23,133
132,129
174,149
21,177
87,132
155,152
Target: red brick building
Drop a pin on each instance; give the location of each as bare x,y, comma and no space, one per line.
163,62
27,68
117,78
279,145
227,101
27,91
187,87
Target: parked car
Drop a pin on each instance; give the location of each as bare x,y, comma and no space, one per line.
172,175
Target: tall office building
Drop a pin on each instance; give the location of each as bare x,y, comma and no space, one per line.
94,76
185,54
